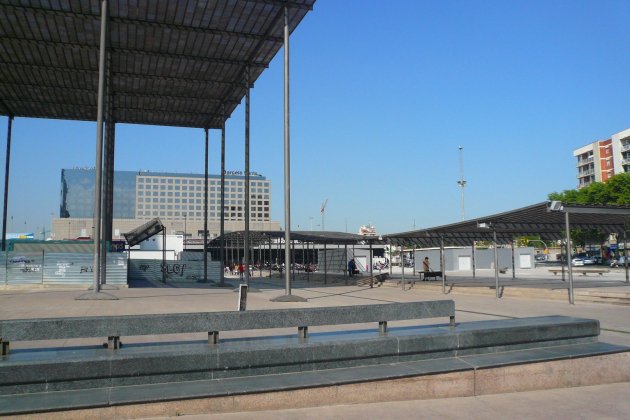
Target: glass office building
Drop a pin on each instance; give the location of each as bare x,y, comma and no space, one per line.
77,193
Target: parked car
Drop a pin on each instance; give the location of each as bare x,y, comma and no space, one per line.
540,257
589,260
577,262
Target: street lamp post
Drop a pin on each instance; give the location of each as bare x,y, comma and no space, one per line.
185,232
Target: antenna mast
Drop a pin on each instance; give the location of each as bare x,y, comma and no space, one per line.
462,182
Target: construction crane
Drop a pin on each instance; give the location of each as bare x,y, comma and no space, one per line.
322,210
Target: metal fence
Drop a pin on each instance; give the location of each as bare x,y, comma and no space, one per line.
175,271
58,268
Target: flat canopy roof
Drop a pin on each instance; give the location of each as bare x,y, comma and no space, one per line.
178,63
534,220
313,236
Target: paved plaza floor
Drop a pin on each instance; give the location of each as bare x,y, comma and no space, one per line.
606,401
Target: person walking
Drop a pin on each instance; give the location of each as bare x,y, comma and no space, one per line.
241,271
426,268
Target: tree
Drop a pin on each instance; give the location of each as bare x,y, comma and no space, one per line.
616,191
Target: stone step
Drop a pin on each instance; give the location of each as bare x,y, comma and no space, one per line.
469,375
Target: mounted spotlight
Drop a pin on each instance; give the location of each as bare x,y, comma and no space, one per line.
555,206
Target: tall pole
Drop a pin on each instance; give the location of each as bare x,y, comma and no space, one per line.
496,262
625,253
246,239
473,259
442,265
108,186
287,158
98,184
569,268
513,262
461,181
222,223
6,184
205,209
402,265
371,266
325,265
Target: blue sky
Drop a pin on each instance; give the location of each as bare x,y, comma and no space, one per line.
383,93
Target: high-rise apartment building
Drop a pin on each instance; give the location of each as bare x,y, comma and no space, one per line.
177,199
600,160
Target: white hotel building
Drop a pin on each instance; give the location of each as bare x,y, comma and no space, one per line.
176,198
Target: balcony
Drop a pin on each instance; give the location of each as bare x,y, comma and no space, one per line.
586,173
625,147
582,162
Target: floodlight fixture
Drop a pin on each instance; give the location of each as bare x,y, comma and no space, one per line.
555,206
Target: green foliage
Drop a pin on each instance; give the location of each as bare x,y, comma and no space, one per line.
534,240
581,237
616,191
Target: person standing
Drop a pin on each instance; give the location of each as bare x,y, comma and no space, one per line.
426,268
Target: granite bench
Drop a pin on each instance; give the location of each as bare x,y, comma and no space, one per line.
114,327
428,275
583,271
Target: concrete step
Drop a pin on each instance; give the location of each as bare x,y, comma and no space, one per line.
466,375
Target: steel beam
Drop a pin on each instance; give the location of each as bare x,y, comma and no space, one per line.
134,52
205,209
496,263
6,184
90,71
246,242
98,186
569,267
222,222
287,158
43,11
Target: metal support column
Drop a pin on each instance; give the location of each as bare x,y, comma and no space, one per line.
569,268
389,243
625,253
496,262
513,265
402,265
413,266
205,209
164,265
222,223
247,201
473,259
442,267
287,169
270,259
98,185
108,192
371,267
6,184
325,265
